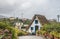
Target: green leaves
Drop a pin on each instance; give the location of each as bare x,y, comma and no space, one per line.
1,36
9,28
51,27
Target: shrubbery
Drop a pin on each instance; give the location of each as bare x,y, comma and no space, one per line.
22,33
12,30
50,29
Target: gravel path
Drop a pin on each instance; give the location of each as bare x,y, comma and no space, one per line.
30,37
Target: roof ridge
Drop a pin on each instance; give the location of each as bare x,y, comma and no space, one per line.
38,15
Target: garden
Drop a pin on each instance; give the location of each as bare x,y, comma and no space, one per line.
9,32
50,31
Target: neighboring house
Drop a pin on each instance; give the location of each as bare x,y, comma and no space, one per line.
11,18
18,25
25,24
22,24
37,22
24,27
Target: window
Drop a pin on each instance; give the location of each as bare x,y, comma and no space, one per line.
31,28
36,21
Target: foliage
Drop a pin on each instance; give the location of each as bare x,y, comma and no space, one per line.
55,33
27,21
41,32
22,33
1,36
53,29
13,31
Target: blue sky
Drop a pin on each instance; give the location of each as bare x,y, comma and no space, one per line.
49,8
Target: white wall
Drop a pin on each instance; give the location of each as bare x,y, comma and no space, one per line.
33,25
18,25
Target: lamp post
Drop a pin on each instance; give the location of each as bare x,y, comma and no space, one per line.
58,17
22,15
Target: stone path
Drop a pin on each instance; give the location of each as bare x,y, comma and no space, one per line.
30,37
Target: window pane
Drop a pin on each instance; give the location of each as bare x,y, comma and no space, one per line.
31,28
36,21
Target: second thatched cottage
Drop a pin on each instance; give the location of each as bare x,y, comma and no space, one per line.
37,22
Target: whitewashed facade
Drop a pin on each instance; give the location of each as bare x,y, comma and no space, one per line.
32,28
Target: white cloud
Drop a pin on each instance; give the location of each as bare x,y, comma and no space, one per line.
41,1
26,5
11,2
48,7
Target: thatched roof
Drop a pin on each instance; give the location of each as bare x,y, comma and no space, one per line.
41,18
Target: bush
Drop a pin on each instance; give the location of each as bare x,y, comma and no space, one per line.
22,33
41,32
53,29
55,33
10,29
